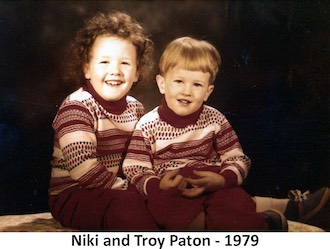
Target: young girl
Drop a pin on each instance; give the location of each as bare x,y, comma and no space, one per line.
93,127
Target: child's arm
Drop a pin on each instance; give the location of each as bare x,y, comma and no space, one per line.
235,164
138,164
74,126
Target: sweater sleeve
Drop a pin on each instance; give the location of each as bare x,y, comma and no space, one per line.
235,164
138,164
74,126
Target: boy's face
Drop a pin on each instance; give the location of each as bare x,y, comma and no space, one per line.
112,69
185,91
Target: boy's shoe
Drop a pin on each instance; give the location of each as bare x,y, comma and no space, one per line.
303,206
276,220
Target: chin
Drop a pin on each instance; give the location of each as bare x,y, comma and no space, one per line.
111,98
183,114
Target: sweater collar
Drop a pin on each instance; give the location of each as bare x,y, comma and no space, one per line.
167,115
114,107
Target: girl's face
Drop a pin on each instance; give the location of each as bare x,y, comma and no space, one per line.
112,69
185,91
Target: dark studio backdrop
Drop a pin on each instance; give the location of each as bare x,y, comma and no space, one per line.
273,85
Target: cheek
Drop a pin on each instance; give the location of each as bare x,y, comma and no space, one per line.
172,89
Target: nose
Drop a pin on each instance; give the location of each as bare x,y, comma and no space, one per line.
114,69
186,89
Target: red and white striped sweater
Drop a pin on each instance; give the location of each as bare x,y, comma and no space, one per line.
91,139
164,141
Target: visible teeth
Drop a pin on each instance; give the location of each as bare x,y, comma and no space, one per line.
113,83
184,101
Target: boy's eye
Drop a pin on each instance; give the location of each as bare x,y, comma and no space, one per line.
178,81
198,84
104,62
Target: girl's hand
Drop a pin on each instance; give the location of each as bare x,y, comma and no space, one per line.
173,180
208,182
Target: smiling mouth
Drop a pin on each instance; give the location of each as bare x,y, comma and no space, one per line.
113,82
184,101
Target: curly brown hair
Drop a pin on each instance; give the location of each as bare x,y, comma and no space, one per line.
114,23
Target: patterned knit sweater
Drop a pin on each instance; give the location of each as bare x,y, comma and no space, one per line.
91,140
163,141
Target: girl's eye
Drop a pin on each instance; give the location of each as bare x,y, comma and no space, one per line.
104,62
125,63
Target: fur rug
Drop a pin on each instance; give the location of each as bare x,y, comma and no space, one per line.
44,222
40,222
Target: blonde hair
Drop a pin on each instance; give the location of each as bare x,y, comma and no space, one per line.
191,54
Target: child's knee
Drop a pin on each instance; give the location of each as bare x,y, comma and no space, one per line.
198,223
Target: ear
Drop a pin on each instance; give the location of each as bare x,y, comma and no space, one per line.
161,83
136,79
210,89
87,72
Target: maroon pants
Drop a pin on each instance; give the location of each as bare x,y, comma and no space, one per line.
227,209
101,209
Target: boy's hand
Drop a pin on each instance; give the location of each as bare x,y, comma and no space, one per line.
208,182
173,180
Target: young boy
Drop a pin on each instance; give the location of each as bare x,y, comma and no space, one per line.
185,157
93,127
